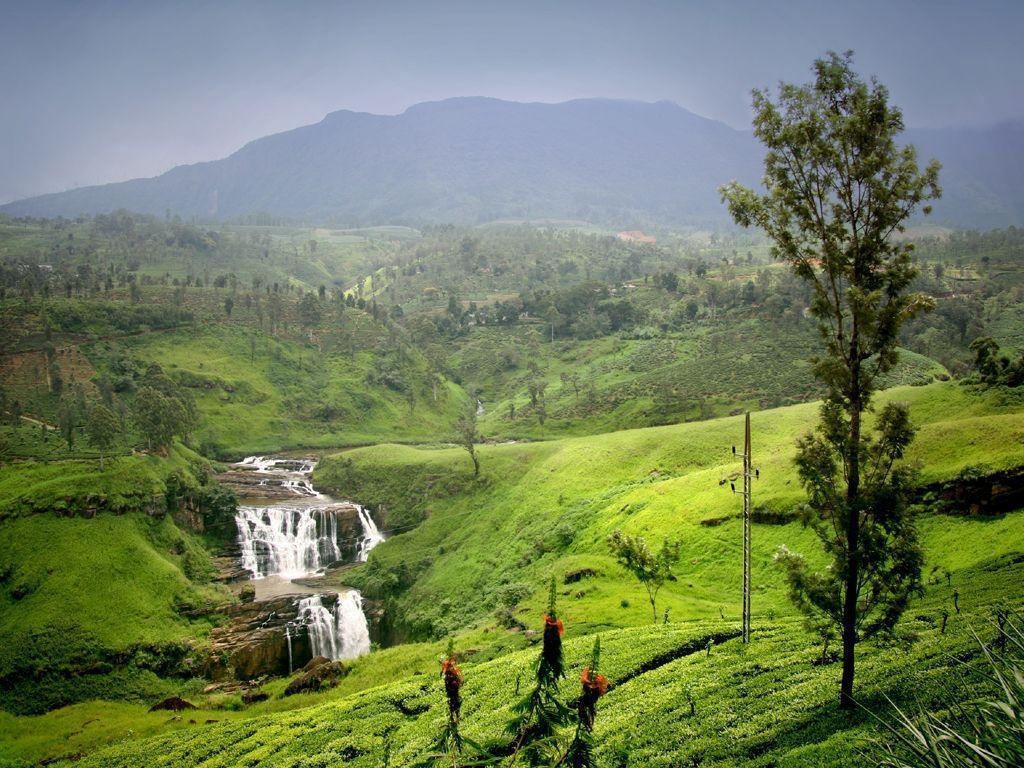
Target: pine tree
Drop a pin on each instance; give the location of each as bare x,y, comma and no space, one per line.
837,189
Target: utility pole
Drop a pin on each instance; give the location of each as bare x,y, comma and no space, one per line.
748,474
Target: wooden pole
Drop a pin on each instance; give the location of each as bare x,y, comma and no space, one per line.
746,530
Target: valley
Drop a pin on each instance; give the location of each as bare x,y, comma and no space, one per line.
316,445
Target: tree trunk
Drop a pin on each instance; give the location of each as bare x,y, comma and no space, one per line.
852,531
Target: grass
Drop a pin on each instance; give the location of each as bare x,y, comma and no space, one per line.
281,394
547,508
90,608
613,383
128,483
96,580
766,704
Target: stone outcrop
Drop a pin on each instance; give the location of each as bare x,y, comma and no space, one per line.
253,643
974,492
314,677
248,484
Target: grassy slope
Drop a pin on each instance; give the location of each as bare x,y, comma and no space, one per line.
765,705
656,482
291,395
127,483
543,508
80,598
700,371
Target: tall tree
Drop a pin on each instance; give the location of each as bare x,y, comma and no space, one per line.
466,433
67,420
838,187
102,429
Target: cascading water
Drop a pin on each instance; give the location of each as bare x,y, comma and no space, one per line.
295,538
341,635
288,640
298,538
371,536
290,542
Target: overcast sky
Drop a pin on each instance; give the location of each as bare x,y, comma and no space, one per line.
105,90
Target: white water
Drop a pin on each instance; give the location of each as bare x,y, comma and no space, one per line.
341,635
293,539
371,536
291,542
296,538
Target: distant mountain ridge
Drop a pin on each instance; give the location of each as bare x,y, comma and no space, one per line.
472,160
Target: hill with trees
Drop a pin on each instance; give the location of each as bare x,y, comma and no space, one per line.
608,374
623,164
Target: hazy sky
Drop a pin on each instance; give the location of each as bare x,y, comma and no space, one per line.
96,91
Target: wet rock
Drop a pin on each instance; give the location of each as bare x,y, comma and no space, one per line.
254,697
173,704
322,676
253,644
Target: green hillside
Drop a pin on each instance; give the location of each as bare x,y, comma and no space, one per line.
646,719
544,509
101,578
611,373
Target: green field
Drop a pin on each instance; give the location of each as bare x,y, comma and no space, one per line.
613,377
546,508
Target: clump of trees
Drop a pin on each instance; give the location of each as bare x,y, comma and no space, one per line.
162,410
102,429
994,368
838,187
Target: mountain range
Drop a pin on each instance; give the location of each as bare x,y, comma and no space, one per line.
475,160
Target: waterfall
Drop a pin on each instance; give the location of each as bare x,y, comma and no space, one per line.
323,640
353,633
288,639
341,635
297,536
291,542
371,536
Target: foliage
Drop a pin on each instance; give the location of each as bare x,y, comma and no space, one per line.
889,554
580,753
651,569
450,743
975,733
994,368
838,188
541,713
